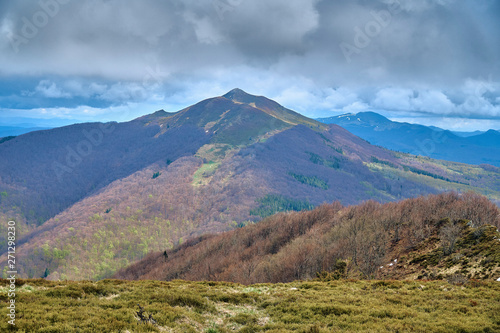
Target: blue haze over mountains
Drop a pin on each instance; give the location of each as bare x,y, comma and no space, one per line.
470,148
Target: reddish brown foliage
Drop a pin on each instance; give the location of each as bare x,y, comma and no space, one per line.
292,246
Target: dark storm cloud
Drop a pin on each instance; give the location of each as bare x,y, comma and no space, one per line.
406,57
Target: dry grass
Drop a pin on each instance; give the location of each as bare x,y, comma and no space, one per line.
179,306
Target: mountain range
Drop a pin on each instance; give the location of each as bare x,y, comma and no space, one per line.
90,199
472,148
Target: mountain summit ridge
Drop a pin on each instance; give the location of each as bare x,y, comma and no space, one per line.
272,108
238,94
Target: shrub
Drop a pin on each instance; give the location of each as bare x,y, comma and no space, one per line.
457,279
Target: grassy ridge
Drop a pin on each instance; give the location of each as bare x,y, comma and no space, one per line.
179,306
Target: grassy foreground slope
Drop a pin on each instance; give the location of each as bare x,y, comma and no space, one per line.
178,306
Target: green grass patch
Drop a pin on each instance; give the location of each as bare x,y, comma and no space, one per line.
205,171
313,306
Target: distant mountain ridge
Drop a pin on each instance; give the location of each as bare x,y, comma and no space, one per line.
15,130
93,198
483,148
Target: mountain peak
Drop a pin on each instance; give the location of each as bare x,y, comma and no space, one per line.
237,90
360,117
237,95
272,108
372,116
154,116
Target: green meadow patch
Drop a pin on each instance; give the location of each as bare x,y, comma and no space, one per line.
204,172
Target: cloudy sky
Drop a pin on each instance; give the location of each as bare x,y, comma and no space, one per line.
428,61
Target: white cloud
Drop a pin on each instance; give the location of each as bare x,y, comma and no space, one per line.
432,101
420,5
453,124
103,52
50,90
87,113
205,30
393,99
315,101
356,107
268,24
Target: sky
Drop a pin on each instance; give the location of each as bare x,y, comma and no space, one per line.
434,62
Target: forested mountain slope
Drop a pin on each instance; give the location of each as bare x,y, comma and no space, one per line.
438,236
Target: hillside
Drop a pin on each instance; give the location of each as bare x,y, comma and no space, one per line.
77,160
482,148
436,237
220,164
45,172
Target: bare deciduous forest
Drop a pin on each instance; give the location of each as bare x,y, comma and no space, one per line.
359,239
